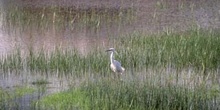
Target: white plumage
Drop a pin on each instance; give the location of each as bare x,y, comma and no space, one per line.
115,65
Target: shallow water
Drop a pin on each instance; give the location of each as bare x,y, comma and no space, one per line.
52,84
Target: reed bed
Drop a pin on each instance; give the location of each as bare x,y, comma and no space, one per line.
119,94
58,17
175,71
198,50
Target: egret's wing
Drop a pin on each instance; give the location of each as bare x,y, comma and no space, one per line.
118,67
117,63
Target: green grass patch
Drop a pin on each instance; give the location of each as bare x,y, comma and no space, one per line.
108,94
20,91
72,99
5,100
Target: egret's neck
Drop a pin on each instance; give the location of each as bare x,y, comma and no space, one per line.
111,57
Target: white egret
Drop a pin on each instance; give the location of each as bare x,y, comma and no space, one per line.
115,65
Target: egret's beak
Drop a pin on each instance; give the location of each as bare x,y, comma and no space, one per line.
107,50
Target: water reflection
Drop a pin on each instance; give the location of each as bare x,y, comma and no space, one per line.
28,78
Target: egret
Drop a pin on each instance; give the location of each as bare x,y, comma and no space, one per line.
115,65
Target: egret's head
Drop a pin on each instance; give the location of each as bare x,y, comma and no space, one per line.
110,50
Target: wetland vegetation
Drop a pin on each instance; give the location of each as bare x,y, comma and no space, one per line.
176,71
167,70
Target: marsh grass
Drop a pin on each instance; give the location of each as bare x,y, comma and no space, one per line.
58,17
199,50
117,94
134,96
175,71
165,71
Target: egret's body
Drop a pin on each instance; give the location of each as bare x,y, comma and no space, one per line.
115,65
